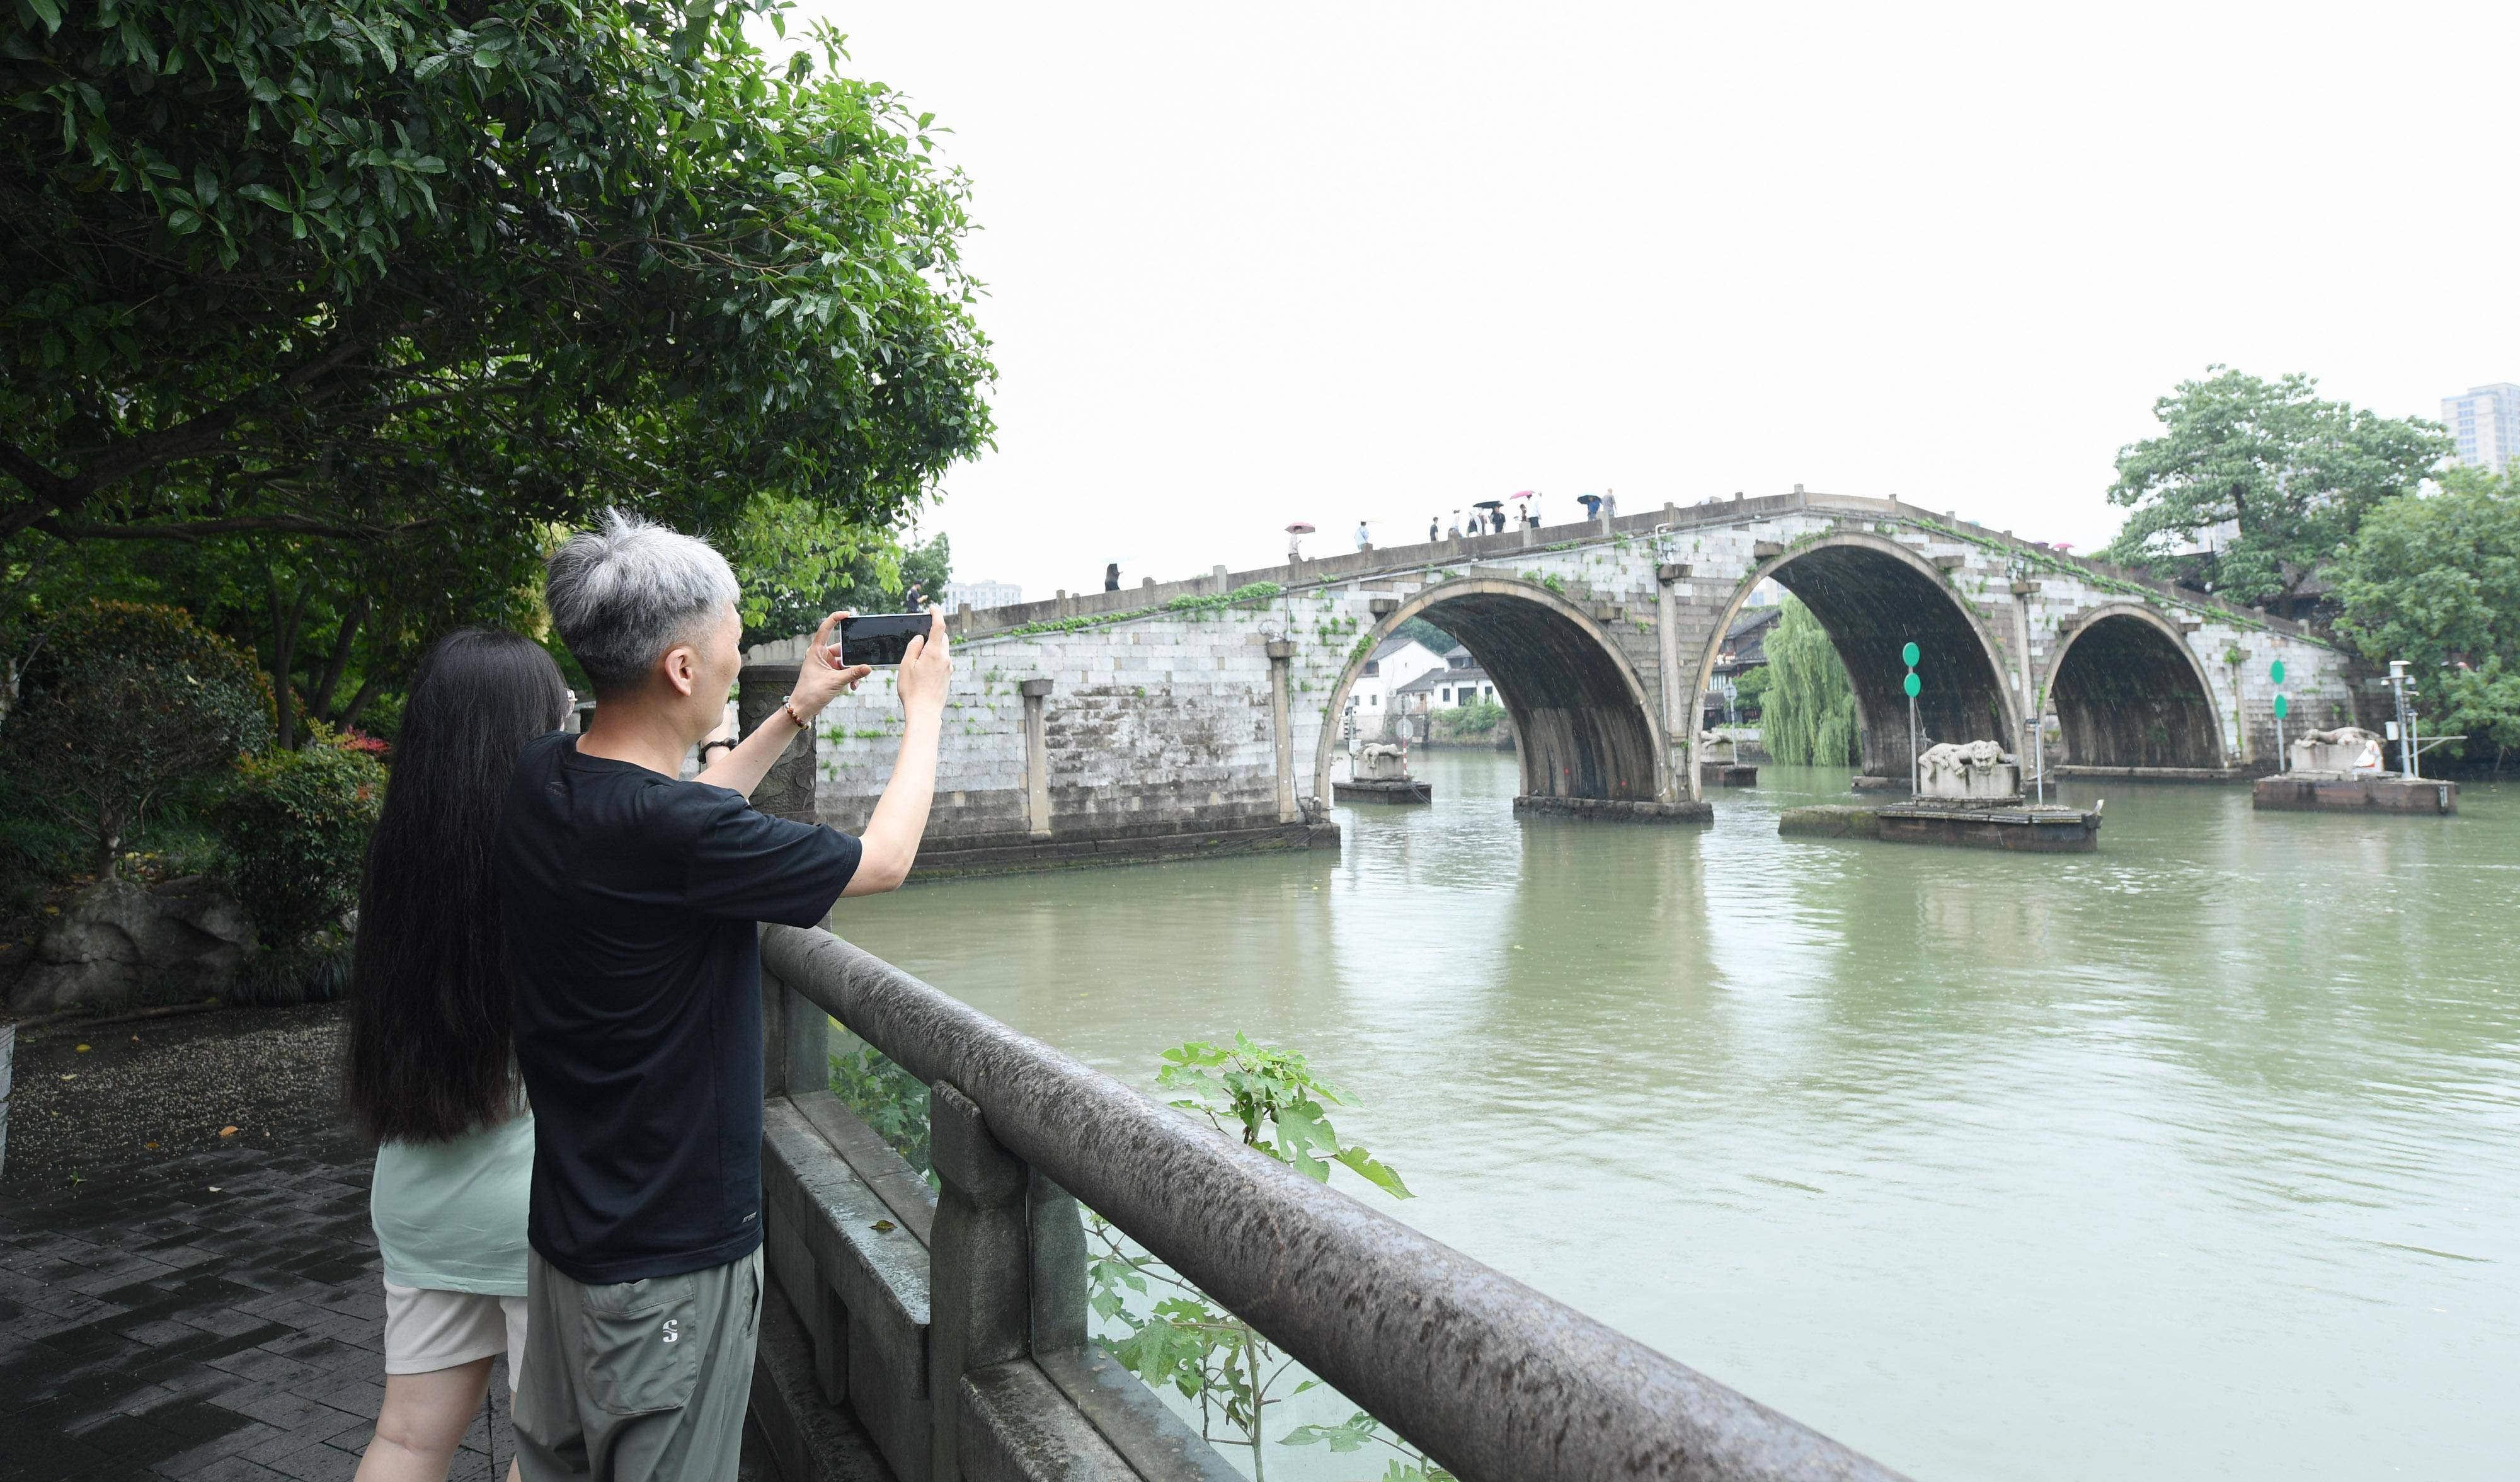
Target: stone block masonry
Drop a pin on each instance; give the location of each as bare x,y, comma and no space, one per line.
1205,715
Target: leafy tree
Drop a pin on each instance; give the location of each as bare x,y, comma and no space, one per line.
393,287
1434,638
2435,580
343,621
1750,688
1808,717
125,703
925,568
796,563
2294,472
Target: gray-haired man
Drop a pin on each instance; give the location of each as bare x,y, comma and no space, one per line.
630,899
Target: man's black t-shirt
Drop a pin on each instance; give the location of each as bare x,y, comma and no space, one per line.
630,899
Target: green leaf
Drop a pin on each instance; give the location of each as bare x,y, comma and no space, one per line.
266,196
48,11
1374,1173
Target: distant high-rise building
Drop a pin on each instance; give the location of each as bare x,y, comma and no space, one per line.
981,594
2486,423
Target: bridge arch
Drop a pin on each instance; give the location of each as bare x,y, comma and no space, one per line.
2129,692
1581,718
1873,596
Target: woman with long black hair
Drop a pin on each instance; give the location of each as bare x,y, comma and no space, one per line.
433,1077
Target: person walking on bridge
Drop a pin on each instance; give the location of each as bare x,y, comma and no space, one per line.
630,899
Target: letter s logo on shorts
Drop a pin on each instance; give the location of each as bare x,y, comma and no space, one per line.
673,1330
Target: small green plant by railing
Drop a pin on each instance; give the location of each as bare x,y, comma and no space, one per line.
892,1101
1182,1339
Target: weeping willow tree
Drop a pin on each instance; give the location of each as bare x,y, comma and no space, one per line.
1809,714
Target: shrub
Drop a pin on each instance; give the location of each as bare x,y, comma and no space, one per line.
123,703
1468,721
297,825
316,970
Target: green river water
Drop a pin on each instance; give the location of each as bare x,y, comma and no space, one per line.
2198,1157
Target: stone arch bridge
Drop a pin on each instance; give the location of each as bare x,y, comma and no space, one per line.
1202,715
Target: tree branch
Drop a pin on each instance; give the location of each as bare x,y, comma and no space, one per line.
22,467
321,701
205,529
56,495
359,701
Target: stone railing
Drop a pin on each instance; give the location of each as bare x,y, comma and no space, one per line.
953,1323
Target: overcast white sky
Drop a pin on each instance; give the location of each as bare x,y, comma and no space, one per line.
1258,264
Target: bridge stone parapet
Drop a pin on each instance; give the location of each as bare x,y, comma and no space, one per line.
1205,715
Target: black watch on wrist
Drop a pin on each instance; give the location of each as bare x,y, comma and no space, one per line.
708,745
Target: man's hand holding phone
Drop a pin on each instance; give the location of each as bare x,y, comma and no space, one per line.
822,678
927,668
890,843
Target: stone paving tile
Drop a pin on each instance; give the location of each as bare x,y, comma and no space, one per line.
215,1317
155,1330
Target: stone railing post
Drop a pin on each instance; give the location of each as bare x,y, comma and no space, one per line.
1036,744
980,1287
1282,653
796,1051
788,789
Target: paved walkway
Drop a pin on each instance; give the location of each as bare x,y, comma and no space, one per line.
216,1317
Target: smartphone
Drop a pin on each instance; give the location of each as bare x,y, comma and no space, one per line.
879,638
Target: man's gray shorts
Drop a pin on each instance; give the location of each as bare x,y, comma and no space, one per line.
640,1381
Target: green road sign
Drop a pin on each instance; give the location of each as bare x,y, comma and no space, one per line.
2278,672
1913,687
2282,706
1907,656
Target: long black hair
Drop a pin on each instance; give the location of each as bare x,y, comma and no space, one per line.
431,1013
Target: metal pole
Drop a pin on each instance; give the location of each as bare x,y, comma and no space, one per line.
1915,767
2398,694
2039,742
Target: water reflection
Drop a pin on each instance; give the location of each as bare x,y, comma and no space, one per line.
2199,1155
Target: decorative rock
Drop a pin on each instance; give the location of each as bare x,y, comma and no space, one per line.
118,941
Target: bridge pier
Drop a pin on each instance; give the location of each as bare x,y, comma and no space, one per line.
1282,730
1679,710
